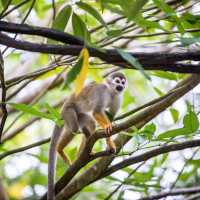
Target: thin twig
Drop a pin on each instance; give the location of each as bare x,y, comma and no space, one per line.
175,192
21,149
54,9
3,97
5,7
14,8
124,182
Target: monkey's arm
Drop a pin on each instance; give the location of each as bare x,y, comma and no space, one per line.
105,123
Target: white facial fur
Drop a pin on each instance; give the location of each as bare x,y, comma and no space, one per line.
118,84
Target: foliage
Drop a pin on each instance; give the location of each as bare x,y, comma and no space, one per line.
34,92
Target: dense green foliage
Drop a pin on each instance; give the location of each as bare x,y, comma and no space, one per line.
35,93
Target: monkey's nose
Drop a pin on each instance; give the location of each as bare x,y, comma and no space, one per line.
119,88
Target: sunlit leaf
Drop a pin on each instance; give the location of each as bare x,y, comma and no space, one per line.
188,41
132,8
190,125
81,77
15,190
168,75
133,61
141,21
91,10
5,3
148,131
158,91
191,122
171,13
80,28
62,18
114,32
174,114
29,109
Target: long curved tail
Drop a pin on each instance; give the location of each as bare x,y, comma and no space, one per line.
52,162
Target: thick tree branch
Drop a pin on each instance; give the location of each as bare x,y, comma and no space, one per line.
40,31
150,61
153,153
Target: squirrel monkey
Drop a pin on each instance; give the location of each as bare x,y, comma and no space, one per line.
80,113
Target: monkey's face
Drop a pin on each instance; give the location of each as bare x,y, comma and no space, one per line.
117,82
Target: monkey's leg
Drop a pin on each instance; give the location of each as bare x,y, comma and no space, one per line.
71,126
82,146
87,126
62,143
104,122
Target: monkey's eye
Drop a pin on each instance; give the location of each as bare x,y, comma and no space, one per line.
123,81
117,80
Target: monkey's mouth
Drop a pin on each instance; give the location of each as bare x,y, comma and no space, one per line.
119,88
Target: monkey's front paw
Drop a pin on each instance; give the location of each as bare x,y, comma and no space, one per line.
108,128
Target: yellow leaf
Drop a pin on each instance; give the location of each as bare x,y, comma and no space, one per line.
16,190
80,79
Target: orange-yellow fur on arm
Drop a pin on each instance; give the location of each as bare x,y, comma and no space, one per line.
103,121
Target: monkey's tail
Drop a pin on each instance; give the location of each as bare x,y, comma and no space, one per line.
52,162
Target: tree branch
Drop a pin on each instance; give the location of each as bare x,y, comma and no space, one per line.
153,153
151,61
7,153
40,31
174,192
3,97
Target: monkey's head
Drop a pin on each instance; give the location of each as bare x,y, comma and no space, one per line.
117,82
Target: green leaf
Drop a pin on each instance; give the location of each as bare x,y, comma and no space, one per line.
167,75
188,41
62,18
92,11
174,114
191,122
29,109
72,74
148,131
191,125
114,32
141,21
80,28
171,13
133,61
4,3
194,162
172,133
52,110
132,8
158,91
